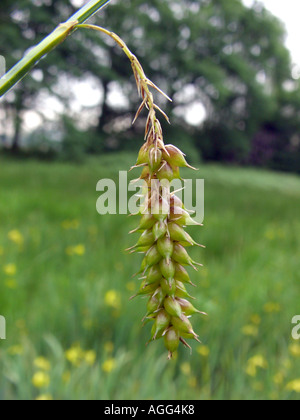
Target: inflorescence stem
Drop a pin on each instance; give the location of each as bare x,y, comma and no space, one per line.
153,132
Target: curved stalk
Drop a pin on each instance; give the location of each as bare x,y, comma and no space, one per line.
19,71
153,132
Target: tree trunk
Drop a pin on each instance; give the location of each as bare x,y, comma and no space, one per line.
106,111
18,122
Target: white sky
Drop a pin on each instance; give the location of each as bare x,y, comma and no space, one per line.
287,11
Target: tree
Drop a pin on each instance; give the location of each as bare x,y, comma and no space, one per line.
219,53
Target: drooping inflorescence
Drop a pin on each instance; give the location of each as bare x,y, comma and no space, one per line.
163,242
163,239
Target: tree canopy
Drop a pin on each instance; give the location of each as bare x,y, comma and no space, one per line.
216,54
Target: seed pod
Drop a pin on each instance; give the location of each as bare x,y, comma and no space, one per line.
167,172
154,274
181,274
188,309
155,156
161,323
147,238
171,340
174,156
153,304
147,289
165,247
153,257
160,229
160,294
160,209
183,325
181,291
181,256
147,222
168,287
172,307
143,156
178,234
167,269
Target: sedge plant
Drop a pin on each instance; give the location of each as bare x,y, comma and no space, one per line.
163,216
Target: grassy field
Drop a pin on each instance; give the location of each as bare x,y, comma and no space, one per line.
65,283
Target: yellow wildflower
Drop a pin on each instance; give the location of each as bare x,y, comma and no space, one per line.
75,355
295,350
203,351
42,363
41,380
294,386
16,350
90,357
272,307
16,237
109,365
254,363
76,250
255,319
186,368
250,330
79,250
112,299
45,397
10,269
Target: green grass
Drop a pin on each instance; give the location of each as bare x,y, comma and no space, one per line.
249,287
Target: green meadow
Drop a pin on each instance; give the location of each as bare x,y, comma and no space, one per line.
65,284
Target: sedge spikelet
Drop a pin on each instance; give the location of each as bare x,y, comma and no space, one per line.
163,238
164,273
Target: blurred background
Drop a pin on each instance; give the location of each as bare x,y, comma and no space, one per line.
65,280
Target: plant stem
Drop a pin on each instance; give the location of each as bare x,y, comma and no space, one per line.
19,71
153,127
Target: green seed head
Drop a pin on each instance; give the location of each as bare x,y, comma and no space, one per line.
167,269
163,240
172,307
165,247
168,287
153,256
171,340
167,172
155,156
143,156
160,229
154,275
147,238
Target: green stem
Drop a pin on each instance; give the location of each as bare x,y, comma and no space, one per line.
19,71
